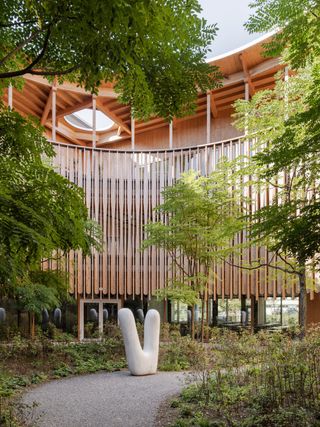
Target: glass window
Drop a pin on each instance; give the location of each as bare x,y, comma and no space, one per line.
290,311
273,311
229,311
179,312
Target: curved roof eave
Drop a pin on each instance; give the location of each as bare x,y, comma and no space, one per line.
240,49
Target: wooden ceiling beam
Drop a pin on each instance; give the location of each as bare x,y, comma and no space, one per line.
239,89
106,110
66,133
140,125
72,87
213,106
39,91
247,74
35,109
46,109
228,100
73,108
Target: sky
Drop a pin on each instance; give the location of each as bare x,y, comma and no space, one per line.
230,15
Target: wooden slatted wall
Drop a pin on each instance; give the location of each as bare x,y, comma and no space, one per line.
121,190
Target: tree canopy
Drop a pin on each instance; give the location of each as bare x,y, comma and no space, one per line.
152,50
40,211
285,123
197,220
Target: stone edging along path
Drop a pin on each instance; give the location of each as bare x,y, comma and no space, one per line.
114,399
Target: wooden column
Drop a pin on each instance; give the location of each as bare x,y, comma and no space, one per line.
170,135
214,312
133,130
208,117
254,313
101,318
94,121
80,319
54,112
10,96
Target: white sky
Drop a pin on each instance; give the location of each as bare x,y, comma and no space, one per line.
230,15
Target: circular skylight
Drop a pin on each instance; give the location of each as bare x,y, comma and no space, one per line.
82,119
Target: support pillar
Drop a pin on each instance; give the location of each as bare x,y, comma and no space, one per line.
94,121
10,96
170,135
254,314
80,319
100,318
261,311
133,130
208,118
215,312
54,112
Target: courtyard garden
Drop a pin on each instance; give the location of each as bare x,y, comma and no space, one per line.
220,223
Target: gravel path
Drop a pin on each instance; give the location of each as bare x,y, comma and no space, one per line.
103,400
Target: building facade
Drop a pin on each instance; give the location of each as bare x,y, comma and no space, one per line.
123,166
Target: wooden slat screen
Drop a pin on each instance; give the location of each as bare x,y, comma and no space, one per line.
121,190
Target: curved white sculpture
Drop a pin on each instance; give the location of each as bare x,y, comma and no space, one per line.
141,362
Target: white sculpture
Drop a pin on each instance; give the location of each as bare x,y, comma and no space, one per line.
141,362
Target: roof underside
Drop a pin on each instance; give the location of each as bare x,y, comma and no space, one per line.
241,66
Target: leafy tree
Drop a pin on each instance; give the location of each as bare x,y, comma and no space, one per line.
287,128
298,27
41,212
196,221
289,224
154,51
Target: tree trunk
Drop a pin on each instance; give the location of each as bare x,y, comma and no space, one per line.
207,317
192,322
302,302
202,316
33,326
254,314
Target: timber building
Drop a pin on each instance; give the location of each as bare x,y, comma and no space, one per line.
123,164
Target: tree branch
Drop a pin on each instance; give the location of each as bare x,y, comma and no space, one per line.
16,24
267,264
174,257
19,46
53,73
33,63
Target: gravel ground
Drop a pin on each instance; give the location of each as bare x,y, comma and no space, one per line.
103,400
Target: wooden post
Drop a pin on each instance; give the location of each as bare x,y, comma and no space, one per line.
170,135
10,96
80,319
101,319
133,129
254,313
94,121
215,312
54,112
208,117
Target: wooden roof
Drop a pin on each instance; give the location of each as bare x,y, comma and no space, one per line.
246,64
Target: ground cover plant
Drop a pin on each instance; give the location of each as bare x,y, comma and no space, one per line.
26,362
267,379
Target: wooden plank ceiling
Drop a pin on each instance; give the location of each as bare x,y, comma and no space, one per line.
243,66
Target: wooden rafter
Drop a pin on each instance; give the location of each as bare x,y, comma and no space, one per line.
66,133
72,87
47,108
247,74
106,110
73,108
213,106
